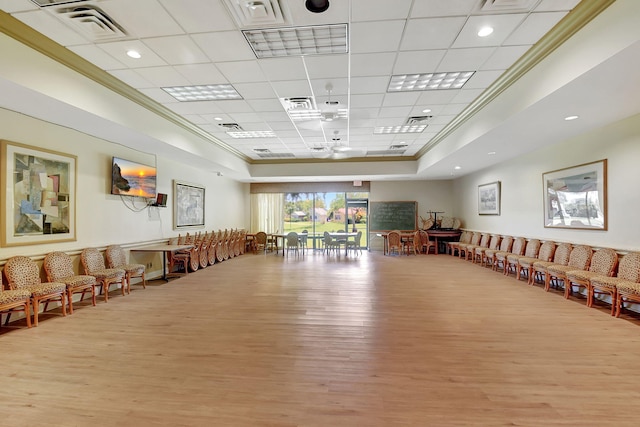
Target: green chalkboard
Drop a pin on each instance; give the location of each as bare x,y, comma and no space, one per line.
384,216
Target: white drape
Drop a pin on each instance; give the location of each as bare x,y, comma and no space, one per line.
267,212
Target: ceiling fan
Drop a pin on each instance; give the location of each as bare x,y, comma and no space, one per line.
337,149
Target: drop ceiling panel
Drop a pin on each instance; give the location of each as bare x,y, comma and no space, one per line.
372,64
431,33
163,76
142,18
482,79
364,85
278,69
242,71
435,8
327,66
503,26
292,88
256,91
367,101
400,99
410,62
556,5
504,57
199,16
51,26
177,50
379,36
119,49
535,26
131,78
97,57
261,105
201,74
12,6
379,10
224,46
467,59
158,95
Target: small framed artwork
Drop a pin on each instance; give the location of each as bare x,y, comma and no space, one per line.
489,198
576,197
188,205
38,189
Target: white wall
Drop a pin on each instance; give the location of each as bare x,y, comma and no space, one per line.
102,218
522,194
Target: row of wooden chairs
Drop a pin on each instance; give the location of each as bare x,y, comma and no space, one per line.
27,292
599,272
416,242
208,248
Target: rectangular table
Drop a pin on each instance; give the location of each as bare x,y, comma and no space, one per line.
165,249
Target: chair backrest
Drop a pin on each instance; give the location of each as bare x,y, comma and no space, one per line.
422,237
358,237
580,257
532,249
292,239
494,242
260,238
475,238
21,272
447,222
115,256
604,261
518,245
465,237
506,244
629,268
484,240
547,249
327,238
393,239
563,251
92,260
58,266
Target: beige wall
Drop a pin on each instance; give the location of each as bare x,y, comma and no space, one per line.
522,196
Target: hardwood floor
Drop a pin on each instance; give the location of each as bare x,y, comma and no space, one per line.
263,340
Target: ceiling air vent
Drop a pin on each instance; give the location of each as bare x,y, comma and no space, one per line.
398,147
230,126
385,152
270,155
256,12
45,3
418,120
503,6
91,21
299,103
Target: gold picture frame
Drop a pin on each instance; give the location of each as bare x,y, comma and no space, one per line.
38,193
576,197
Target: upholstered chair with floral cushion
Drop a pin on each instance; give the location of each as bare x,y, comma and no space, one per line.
579,259
23,273
475,241
625,287
560,257
93,264
470,250
13,301
59,268
603,263
479,252
525,263
116,258
518,247
506,243
530,251
452,247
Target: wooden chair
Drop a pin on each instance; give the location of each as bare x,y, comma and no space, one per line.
479,252
394,243
14,301
59,268
525,263
116,258
462,247
260,242
506,243
470,251
23,273
579,259
603,263
452,247
560,257
422,242
625,287
518,247
530,251
93,264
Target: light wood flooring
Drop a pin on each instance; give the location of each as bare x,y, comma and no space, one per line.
263,340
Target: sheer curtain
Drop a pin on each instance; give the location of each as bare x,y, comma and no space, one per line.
267,212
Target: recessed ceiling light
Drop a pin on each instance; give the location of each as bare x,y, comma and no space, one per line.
298,41
485,31
569,118
253,134
491,153
218,119
426,110
203,92
457,168
399,129
428,81
134,54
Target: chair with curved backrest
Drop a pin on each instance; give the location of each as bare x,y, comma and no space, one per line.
354,245
519,244
447,222
470,250
560,257
423,243
330,244
14,301
462,247
452,247
394,243
93,264
59,268
506,243
116,258
175,258
530,251
525,263
260,242
304,238
603,263
292,242
479,255
625,287
23,273
578,260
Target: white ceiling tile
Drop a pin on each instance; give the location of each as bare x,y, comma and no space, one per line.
454,109
468,59
556,5
52,27
503,26
292,88
436,97
372,64
535,26
379,10
232,106
255,90
327,66
119,49
142,18
201,74
278,69
378,36
400,99
367,101
482,79
242,71
364,85
196,107
177,50
12,6
224,46
163,76
431,33
423,61
339,88
97,57
199,16
398,112
465,96
504,57
131,78
282,127
158,95
265,105
246,118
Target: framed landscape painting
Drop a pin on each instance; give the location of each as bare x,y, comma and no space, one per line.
38,195
188,205
489,198
576,197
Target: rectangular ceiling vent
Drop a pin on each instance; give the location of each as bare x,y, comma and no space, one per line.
231,127
506,6
305,103
385,152
45,3
276,155
397,147
418,120
253,13
91,21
